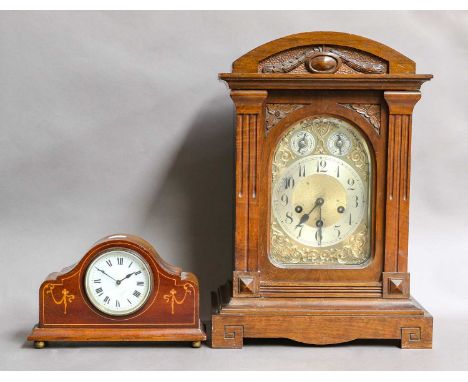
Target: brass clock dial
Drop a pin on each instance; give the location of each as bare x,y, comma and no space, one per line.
320,201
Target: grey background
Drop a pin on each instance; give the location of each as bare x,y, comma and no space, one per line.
115,122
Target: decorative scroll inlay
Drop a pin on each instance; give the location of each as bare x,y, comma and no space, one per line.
294,60
64,300
371,112
172,299
275,112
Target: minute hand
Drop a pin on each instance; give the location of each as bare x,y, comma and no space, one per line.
100,270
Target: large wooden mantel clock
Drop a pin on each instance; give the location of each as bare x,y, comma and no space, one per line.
323,138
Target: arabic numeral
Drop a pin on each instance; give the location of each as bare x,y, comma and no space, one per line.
302,170
322,166
337,231
289,182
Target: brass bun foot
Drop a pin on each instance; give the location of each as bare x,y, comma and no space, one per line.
39,344
196,344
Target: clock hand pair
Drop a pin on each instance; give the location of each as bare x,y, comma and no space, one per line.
117,281
304,218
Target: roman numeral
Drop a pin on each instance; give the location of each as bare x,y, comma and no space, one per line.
107,299
97,281
129,265
129,301
120,260
109,263
140,283
99,291
137,273
136,294
117,304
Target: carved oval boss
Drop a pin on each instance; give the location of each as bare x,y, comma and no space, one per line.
323,62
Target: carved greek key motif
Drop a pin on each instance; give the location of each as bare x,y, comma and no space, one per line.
371,112
275,112
235,334
64,300
172,299
410,336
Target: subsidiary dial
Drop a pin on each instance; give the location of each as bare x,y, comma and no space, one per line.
339,144
302,143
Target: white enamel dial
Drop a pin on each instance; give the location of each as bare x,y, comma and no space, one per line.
319,200
118,281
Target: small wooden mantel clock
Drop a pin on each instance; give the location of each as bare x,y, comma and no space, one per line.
323,139
121,290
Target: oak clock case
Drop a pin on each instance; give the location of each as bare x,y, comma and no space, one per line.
121,290
323,140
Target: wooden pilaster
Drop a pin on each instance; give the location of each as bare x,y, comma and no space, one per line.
249,137
400,106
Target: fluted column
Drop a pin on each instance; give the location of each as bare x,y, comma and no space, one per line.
249,136
400,106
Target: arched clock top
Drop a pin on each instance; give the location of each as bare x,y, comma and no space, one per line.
125,241
323,52
324,60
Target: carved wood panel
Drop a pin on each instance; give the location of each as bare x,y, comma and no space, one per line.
371,112
297,60
275,112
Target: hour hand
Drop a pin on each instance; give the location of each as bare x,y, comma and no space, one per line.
306,216
303,219
126,277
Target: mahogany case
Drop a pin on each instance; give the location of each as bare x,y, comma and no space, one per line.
170,314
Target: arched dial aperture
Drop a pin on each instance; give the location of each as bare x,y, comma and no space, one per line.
320,196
